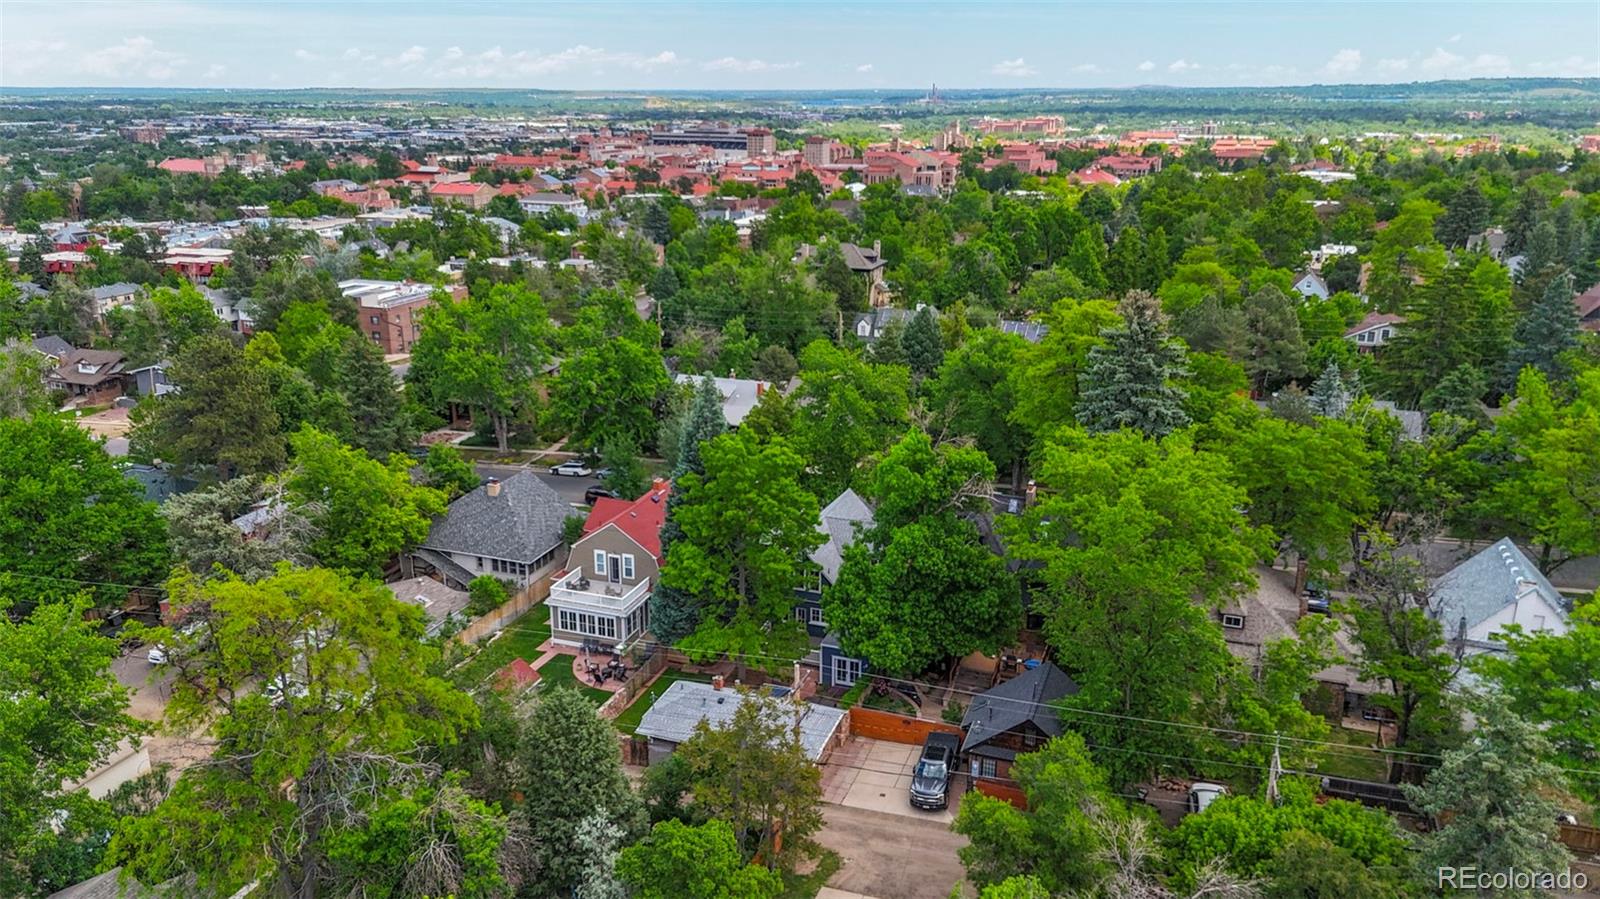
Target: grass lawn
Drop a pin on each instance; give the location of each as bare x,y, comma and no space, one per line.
520,640
558,673
1354,757
628,721
806,886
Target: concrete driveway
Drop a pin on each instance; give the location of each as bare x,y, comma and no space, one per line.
885,856
876,775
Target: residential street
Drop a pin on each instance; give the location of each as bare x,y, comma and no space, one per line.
569,489
891,856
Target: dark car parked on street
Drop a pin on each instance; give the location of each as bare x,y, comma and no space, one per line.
930,781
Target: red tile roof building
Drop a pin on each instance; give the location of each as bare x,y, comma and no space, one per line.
640,519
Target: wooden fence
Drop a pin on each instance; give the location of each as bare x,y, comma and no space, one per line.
1004,790
508,611
636,683
1582,840
896,728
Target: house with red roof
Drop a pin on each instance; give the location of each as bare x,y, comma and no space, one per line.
182,166
1373,331
1588,304
1124,166
603,598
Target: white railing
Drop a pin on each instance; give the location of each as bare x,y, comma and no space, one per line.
577,586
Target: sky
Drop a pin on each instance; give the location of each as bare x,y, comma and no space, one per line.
750,45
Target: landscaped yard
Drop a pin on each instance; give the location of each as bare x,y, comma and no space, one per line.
628,721
520,640
558,673
1354,757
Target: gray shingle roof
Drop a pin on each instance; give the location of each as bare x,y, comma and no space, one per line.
840,523
119,289
1488,582
674,714
51,345
1032,332
521,524
1024,698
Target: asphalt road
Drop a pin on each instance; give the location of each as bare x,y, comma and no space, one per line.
569,489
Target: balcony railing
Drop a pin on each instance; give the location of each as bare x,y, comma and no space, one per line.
577,586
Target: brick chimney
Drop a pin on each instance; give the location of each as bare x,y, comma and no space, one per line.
1032,494
492,488
716,682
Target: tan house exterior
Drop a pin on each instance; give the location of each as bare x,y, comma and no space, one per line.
604,595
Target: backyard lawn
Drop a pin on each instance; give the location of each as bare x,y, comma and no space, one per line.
520,640
628,721
1354,758
558,673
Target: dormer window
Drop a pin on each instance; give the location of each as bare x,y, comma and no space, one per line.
87,368
1235,622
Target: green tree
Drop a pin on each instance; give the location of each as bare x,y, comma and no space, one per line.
573,770
845,410
445,470
366,512
1275,352
677,861
1250,831
627,474
1046,379
1547,331
1308,866
485,594
973,395
220,419
1309,485
924,587
1128,380
1466,214
1057,839
22,371
64,714
923,344
1462,317
745,527
205,540
754,774
611,376
485,352
1496,791
1551,492
1086,260
184,314
1135,539
347,705
674,613
1548,679
380,424
67,514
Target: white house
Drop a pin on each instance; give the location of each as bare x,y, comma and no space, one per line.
1310,284
1497,587
1373,331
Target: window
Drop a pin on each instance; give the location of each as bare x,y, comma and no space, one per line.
811,579
480,563
600,562
809,615
987,767
846,670
627,566
586,624
1233,621
1538,622
1385,333
373,319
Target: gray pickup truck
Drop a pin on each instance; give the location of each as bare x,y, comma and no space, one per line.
930,780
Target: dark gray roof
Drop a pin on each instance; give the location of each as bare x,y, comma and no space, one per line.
521,524
840,523
29,289
1024,698
861,259
1412,422
1488,582
119,289
879,318
51,345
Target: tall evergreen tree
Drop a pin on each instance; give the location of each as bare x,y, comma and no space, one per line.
1275,350
1331,396
380,423
1126,263
1086,259
1547,330
1458,318
1157,260
673,613
1525,217
1466,214
923,343
1128,382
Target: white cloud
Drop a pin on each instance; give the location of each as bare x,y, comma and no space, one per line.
451,54
1572,65
1182,65
1453,39
1440,59
215,71
864,67
1013,68
734,64
1344,62
1147,66
304,55
1490,64
134,57
1394,64
1086,67
406,58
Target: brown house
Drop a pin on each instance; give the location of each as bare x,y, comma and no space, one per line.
89,377
1013,718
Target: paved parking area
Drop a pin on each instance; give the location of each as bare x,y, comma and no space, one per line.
876,775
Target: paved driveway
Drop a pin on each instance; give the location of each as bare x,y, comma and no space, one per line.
876,775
